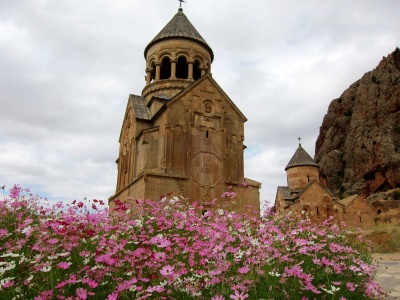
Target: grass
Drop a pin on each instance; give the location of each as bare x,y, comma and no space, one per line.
385,237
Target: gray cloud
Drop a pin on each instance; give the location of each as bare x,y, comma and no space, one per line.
69,66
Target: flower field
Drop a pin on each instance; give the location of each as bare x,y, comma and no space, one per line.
167,249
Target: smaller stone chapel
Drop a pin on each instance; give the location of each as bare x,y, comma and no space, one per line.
183,135
304,193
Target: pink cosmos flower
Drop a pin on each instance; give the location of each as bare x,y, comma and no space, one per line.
217,297
8,284
296,271
218,248
215,280
113,296
215,272
46,295
325,261
337,269
229,194
91,283
63,265
81,293
351,286
243,270
3,232
163,243
309,287
354,269
366,268
239,296
157,288
14,192
52,241
84,253
160,256
167,270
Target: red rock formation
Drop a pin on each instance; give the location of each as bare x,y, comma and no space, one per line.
358,147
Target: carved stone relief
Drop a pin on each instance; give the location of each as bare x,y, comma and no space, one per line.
208,106
207,173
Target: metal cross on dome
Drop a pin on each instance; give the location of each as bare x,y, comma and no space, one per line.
181,1
299,138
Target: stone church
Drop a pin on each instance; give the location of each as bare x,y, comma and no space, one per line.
304,193
183,134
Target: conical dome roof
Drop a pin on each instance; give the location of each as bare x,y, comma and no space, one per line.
301,158
179,27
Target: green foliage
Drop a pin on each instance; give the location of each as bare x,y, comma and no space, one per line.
375,80
396,128
397,145
341,192
395,195
348,112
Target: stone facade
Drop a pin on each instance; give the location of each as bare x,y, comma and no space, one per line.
305,194
183,134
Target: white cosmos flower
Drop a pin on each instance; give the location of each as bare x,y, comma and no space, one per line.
46,269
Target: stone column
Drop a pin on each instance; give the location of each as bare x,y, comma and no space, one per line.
148,76
190,71
173,69
158,71
203,71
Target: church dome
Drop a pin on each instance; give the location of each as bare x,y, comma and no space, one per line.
175,58
301,158
179,27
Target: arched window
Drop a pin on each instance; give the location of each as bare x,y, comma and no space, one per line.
196,70
165,72
182,68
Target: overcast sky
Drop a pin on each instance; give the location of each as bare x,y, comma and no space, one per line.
68,66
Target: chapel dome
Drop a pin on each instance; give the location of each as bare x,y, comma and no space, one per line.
301,158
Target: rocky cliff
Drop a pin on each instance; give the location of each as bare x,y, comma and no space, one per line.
358,147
